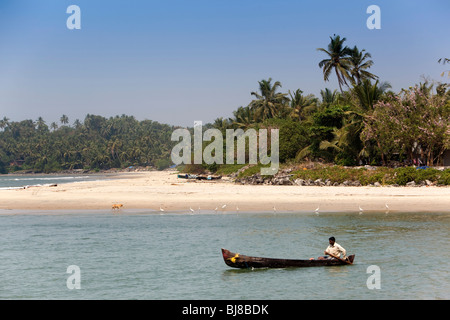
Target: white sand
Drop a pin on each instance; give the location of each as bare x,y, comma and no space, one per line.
150,190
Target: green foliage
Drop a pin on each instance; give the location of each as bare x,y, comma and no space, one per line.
405,175
226,169
382,175
292,137
363,125
162,164
252,170
444,177
3,169
98,143
430,174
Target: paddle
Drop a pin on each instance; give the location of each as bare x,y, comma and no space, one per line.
333,256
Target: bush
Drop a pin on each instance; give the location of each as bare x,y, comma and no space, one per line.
427,174
444,177
405,175
162,164
226,169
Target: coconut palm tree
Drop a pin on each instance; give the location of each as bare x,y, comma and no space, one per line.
359,64
339,142
302,105
41,126
329,97
338,60
221,124
444,61
4,123
77,124
244,117
54,126
366,93
64,119
268,103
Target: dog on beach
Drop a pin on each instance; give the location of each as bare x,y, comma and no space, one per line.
116,206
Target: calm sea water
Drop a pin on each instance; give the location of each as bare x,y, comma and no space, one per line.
14,181
144,255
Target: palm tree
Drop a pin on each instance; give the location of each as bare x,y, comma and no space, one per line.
338,60
302,105
268,103
54,126
41,126
77,124
444,61
329,97
339,142
4,123
244,117
367,94
221,124
64,119
359,65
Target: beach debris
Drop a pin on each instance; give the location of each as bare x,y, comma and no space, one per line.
117,206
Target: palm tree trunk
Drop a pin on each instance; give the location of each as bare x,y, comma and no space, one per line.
339,80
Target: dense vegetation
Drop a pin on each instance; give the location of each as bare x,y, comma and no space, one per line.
365,122
97,143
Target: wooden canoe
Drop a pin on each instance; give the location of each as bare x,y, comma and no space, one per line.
236,260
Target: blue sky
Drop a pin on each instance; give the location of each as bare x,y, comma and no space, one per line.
180,61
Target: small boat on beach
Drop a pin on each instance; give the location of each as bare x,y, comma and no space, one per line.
236,260
198,177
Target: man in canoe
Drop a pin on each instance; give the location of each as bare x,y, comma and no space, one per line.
334,250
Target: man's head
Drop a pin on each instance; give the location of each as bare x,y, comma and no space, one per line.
332,240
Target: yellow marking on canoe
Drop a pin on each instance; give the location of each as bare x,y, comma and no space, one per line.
234,258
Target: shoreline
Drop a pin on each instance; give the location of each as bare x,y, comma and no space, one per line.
151,190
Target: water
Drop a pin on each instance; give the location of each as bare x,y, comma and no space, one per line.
14,181
144,255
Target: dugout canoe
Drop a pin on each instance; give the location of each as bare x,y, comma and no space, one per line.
236,260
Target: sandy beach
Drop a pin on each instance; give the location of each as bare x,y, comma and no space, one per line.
155,189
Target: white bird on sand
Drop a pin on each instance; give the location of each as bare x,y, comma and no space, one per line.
360,210
274,209
387,207
224,206
216,209
317,209
161,209
237,209
192,210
